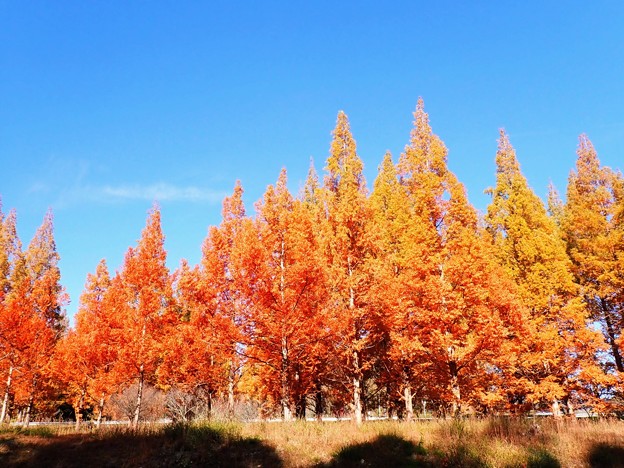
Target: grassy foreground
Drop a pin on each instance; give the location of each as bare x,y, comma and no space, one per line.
490,442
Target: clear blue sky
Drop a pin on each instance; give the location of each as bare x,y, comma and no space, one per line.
108,106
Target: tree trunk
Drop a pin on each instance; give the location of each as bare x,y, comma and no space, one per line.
231,391
31,399
357,381
5,400
556,410
100,412
137,407
357,401
389,402
209,405
285,390
409,405
571,411
455,390
357,390
301,407
318,402
78,409
611,338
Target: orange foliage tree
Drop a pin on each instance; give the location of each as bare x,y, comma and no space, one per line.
282,276
468,318
32,316
144,309
205,352
348,244
10,258
91,347
402,270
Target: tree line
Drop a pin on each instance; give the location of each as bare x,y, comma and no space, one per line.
340,300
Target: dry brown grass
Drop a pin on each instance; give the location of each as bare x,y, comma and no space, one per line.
502,442
495,442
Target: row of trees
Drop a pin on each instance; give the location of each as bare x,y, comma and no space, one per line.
341,300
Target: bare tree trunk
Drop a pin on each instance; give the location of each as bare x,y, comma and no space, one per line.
301,407
570,406
231,391
78,409
31,399
5,400
357,380
137,408
357,390
285,390
611,338
100,412
318,402
409,404
455,390
556,410
209,405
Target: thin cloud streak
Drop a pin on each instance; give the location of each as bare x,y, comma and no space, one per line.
159,192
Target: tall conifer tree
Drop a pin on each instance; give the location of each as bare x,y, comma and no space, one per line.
468,316
591,231
529,247
347,245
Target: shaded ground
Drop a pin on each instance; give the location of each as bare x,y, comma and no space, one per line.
393,451
607,455
175,446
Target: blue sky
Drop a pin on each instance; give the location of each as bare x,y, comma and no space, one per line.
106,107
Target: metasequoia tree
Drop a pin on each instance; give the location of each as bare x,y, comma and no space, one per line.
31,344
39,299
10,272
144,309
348,243
218,309
559,348
197,354
42,264
312,202
467,316
282,275
402,269
618,237
592,231
91,347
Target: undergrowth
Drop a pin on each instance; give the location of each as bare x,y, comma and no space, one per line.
493,442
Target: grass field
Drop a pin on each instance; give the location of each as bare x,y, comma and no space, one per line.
471,443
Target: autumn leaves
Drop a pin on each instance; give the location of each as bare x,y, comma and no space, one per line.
338,300
31,318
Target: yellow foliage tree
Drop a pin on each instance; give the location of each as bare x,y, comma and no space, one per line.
559,349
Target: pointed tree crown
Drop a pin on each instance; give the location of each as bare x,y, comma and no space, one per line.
344,166
309,193
233,206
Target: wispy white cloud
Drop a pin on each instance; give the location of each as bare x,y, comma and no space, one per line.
74,182
158,192
37,187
